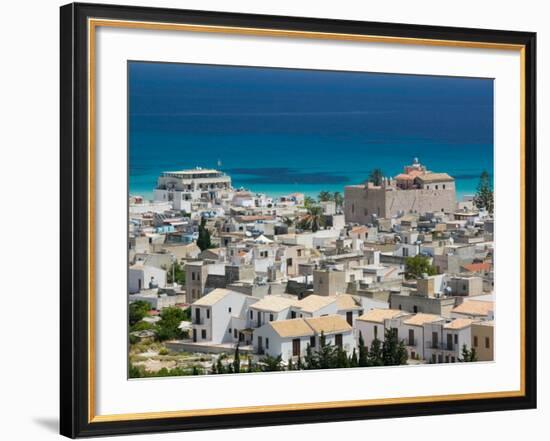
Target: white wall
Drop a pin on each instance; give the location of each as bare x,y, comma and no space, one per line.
30,102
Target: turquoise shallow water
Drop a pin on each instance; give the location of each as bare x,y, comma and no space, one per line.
278,130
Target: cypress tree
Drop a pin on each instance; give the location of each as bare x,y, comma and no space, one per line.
375,354
363,359
353,362
236,360
484,195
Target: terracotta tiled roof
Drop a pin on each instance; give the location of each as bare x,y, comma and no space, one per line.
314,302
459,323
379,315
474,307
435,177
476,267
291,328
419,319
274,303
328,324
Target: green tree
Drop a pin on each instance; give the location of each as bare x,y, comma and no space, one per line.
353,361
375,356
236,360
288,221
250,367
141,326
341,359
338,198
290,366
363,356
220,368
175,273
418,265
203,242
137,311
310,360
271,364
309,201
313,220
168,325
393,350
326,354
325,196
484,197
468,355
376,176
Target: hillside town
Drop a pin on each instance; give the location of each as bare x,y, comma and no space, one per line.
393,271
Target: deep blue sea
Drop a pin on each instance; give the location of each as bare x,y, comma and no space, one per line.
284,130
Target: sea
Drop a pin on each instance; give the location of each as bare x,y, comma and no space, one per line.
278,131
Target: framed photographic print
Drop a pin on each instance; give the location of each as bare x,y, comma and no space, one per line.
277,220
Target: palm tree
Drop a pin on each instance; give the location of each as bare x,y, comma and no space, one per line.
313,220
338,199
288,221
270,364
309,201
376,176
325,196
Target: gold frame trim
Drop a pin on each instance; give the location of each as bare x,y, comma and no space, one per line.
92,25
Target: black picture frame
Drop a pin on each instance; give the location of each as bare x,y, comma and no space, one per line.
74,358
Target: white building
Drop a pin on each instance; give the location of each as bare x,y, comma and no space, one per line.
181,188
411,330
373,324
444,341
141,276
270,308
220,316
290,338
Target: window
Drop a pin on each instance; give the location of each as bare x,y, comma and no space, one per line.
251,315
487,343
229,331
475,341
192,276
267,343
293,314
399,307
456,339
270,317
415,309
203,333
234,333
411,337
376,332
338,340
229,309
437,187
353,208
453,359
207,313
312,341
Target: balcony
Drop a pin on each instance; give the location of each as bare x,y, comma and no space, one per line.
198,321
411,342
443,346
